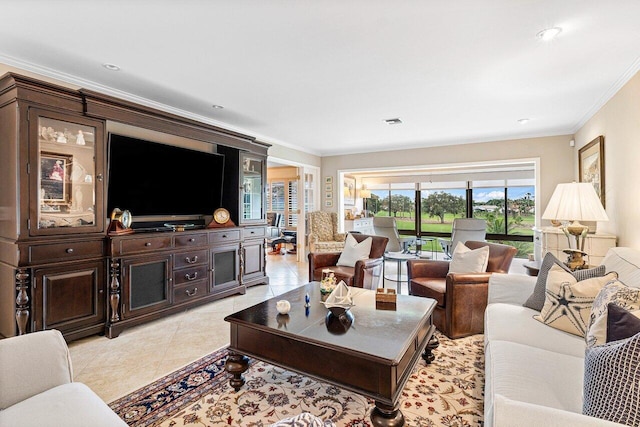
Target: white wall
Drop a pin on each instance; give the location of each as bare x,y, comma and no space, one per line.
619,122
555,156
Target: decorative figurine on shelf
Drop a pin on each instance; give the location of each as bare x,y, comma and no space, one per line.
80,138
61,138
76,205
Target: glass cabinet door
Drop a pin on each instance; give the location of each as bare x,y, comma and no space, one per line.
67,167
252,190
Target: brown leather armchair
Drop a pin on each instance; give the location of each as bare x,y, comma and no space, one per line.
461,298
366,273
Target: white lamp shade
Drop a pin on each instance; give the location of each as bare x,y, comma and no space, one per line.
576,201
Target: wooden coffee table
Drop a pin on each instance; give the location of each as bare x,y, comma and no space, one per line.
373,356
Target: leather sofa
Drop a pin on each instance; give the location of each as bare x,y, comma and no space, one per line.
461,297
534,373
37,388
365,274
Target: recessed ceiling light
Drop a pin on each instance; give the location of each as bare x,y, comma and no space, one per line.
111,67
217,107
549,33
395,121
523,121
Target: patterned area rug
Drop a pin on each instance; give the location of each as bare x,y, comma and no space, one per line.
449,392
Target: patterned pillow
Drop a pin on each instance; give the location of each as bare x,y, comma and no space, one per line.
621,324
568,301
614,292
536,300
612,380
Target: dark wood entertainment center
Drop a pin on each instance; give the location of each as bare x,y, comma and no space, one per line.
60,268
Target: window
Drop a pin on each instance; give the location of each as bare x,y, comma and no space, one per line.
275,197
440,203
291,216
282,197
502,194
509,209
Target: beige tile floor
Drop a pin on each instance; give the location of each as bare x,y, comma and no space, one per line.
115,367
141,354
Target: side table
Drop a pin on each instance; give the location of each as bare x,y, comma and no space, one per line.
532,268
399,258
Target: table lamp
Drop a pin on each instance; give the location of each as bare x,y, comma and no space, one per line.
575,202
365,194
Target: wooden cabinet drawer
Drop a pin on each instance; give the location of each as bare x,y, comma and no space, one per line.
190,291
187,259
199,239
192,274
63,251
225,236
129,246
254,232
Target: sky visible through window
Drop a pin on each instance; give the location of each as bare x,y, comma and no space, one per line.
479,195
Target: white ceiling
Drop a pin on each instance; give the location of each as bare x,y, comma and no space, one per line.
322,76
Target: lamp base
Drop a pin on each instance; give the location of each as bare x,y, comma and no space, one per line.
575,259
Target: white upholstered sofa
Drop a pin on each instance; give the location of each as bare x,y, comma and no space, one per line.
534,373
37,388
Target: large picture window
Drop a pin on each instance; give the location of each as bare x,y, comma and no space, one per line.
428,208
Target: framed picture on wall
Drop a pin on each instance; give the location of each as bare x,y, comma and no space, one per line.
328,180
349,191
591,165
54,180
328,203
328,187
328,195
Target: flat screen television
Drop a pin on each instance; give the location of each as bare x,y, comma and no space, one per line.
161,181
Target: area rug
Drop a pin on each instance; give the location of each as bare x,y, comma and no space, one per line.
449,392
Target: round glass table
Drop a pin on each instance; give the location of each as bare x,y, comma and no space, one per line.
399,258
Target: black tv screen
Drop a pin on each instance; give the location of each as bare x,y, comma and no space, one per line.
154,179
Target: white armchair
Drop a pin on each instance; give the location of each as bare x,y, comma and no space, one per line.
463,230
37,388
386,226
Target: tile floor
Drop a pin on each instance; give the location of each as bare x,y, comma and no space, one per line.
141,354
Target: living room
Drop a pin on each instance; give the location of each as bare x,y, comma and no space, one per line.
571,90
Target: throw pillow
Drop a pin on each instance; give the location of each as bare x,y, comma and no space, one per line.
568,301
354,251
612,380
614,292
536,300
621,324
465,260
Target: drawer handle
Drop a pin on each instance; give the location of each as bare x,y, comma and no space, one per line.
192,240
69,250
191,293
253,232
147,244
191,260
224,236
193,276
